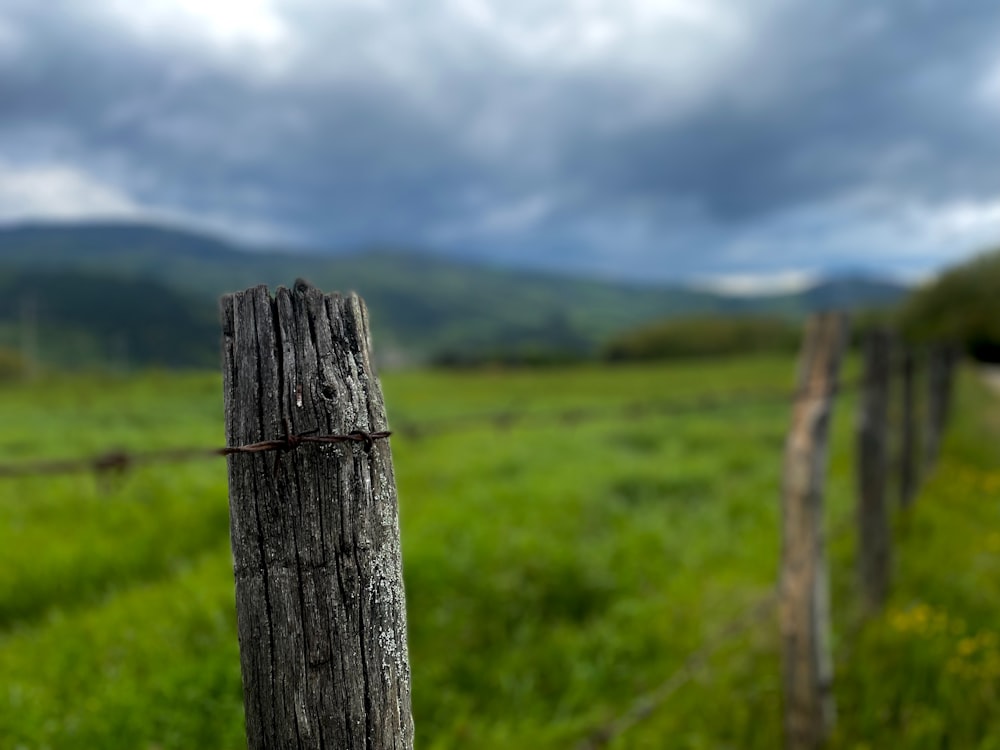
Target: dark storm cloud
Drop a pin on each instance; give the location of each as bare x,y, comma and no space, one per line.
832,100
477,128
345,158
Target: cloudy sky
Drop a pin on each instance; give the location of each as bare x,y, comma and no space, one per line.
742,140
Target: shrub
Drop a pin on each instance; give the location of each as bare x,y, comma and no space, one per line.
704,337
962,305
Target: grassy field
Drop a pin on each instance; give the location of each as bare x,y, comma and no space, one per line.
555,571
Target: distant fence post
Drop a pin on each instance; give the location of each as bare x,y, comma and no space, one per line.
315,534
941,361
909,438
809,711
874,543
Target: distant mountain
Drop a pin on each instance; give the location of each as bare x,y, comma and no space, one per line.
422,305
849,292
842,293
132,244
77,318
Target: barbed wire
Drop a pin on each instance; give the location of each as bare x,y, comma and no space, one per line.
702,403
118,461
572,415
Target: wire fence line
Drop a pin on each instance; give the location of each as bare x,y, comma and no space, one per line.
874,383
118,461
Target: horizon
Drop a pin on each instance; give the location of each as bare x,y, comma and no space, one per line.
740,285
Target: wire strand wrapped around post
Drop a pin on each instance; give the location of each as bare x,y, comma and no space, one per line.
291,441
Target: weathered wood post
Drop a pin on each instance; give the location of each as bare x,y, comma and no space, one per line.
908,425
874,538
941,361
809,711
315,534
933,411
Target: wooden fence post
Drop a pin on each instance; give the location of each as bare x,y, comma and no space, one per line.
315,534
909,438
809,711
874,542
941,361
933,411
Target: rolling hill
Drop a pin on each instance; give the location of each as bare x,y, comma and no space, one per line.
422,305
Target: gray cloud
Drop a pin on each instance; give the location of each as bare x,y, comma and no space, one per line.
746,136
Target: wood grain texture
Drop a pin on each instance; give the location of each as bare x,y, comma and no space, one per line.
809,711
874,536
315,532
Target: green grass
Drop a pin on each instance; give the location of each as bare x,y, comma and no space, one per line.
554,571
67,541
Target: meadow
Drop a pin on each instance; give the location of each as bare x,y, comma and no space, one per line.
556,569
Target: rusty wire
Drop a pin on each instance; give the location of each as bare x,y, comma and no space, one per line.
119,461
